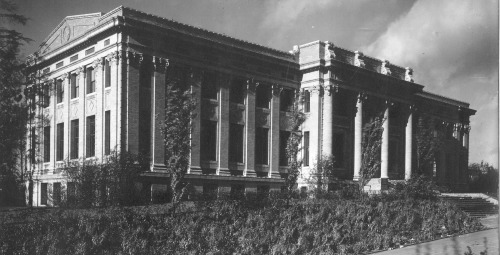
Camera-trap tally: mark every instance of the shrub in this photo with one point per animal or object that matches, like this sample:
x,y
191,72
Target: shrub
x,y
419,187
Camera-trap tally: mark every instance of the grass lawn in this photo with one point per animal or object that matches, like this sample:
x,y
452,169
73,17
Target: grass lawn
x,y
330,226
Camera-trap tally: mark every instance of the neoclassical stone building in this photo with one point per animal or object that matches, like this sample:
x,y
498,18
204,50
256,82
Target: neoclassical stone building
x,y
105,77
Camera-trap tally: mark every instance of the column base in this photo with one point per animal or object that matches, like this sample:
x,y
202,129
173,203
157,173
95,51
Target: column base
x,y
356,178
376,185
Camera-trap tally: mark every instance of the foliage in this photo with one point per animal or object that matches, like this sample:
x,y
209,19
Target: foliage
x,y
104,184
295,120
177,129
483,178
308,226
372,141
418,187
323,173
428,141
13,111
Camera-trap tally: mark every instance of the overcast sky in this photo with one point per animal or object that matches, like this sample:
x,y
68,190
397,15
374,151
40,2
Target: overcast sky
x,y
452,45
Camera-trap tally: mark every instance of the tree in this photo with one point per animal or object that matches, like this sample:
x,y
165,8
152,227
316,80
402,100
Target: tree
x,y
177,128
13,111
323,173
428,141
483,177
295,120
371,143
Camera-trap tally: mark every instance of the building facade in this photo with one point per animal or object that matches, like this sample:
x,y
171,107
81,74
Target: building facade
x,y
103,78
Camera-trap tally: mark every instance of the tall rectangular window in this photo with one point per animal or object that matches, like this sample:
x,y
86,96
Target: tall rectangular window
x,y
75,87
209,86
284,135
44,189
60,91
90,77
46,95
90,143
307,101
46,144
107,74
60,142
261,146
208,139
306,148
236,137
75,133
107,123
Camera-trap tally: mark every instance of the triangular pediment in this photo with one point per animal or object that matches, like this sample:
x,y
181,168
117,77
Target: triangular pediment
x,y
70,28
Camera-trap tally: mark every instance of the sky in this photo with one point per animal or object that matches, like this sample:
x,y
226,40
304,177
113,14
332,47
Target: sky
x,y
452,45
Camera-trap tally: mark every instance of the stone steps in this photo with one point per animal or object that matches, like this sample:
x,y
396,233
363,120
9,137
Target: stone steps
x,y
474,206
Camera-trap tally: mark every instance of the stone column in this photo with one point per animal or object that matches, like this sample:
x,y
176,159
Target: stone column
x,y
250,128
158,112
134,60
315,124
274,159
384,150
223,158
67,114
328,121
196,78
408,144
358,137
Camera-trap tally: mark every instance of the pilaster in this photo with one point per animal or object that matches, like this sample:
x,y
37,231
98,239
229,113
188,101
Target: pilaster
x,y
409,143
80,72
327,140
384,150
134,60
99,113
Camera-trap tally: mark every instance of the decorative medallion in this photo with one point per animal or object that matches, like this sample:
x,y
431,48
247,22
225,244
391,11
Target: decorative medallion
x,y
65,34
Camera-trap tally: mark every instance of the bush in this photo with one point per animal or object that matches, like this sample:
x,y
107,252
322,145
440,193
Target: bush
x,y
248,226
418,187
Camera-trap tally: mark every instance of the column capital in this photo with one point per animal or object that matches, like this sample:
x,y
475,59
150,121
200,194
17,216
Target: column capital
x,y
79,70
362,96
134,58
97,63
160,65
251,85
63,77
389,103
113,57
277,89
317,90
331,88
195,74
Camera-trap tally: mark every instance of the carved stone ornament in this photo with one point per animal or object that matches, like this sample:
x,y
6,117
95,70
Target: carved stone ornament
x,y
79,70
277,89
358,59
134,58
160,64
317,90
362,97
113,57
63,77
330,89
384,69
295,51
97,63
409,74
251,86
329,52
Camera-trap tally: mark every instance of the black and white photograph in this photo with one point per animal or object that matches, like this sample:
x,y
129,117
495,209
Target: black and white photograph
x,y
249,127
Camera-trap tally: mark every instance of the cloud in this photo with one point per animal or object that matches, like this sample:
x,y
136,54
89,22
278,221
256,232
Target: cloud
x,y
453,48
284,13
